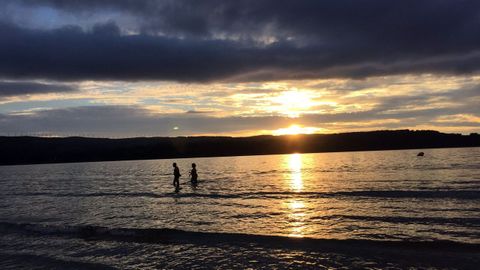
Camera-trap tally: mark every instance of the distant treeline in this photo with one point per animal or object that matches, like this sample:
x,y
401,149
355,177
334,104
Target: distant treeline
x,y
29,150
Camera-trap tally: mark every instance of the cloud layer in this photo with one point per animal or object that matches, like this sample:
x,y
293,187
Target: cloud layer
x,y
186,67
24,88
247,40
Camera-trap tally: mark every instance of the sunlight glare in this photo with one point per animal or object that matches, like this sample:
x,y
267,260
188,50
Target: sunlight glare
x,y
295,164
293,103
296,207
297,218
295,130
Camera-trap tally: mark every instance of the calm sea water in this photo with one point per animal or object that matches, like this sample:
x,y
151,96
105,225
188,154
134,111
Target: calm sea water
x,y
114,214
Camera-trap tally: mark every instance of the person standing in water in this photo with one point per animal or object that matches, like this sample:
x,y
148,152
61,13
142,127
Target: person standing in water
x,y
176,176
193,174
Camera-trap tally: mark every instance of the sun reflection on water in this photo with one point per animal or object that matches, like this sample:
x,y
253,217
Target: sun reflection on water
x,y
295,165
295,207
296,216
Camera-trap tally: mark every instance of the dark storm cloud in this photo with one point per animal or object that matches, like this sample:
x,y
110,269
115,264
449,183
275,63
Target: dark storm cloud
x,y
306,39
26,88
409,19
71,54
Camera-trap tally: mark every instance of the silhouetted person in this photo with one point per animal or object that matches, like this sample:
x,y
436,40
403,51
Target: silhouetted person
x,y
176,176
193,174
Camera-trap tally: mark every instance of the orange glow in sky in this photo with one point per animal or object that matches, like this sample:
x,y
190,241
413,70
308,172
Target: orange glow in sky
x,y
295,130
293,103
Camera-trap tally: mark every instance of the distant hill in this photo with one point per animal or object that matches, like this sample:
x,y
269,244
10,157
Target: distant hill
x,y
30,150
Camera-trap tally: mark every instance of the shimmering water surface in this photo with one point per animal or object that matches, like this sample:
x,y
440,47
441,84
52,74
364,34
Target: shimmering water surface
x,y
370,196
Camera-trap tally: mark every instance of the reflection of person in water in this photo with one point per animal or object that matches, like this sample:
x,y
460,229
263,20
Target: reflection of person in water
x,y
193,174
176,176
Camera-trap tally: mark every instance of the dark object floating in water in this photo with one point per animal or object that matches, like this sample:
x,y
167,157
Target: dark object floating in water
x,y
421,154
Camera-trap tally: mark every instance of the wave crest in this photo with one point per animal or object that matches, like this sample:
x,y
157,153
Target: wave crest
x,y
175,236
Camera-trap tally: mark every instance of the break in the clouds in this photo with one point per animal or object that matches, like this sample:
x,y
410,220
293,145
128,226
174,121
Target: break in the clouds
x,y
186,67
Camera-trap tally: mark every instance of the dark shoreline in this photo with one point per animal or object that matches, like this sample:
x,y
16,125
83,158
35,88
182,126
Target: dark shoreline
x,y
38,150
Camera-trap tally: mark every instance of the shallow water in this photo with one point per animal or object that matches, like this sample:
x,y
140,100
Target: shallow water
x,y
372,197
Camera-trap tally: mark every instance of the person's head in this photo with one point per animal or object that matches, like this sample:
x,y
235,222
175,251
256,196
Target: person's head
x,y
174,164
194,165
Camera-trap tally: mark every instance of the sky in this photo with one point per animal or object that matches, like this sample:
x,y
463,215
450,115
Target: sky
x,y
113,68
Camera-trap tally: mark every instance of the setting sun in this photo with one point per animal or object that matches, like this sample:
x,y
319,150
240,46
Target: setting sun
x,y
295,130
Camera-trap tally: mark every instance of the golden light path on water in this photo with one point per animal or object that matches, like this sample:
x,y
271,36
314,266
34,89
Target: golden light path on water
x,y
296,207
295,166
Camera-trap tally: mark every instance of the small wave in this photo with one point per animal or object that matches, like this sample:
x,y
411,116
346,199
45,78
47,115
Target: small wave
x,y
175,236
464,221
266,172
434,194
32,261
454,194
125,194
466,182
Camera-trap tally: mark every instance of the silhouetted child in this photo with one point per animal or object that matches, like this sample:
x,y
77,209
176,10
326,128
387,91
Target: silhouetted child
x,y
176,176
193,174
